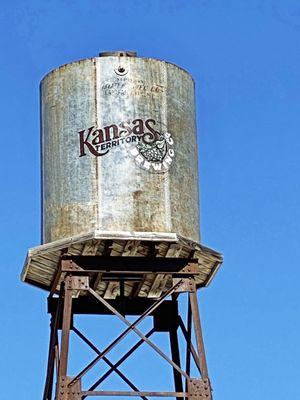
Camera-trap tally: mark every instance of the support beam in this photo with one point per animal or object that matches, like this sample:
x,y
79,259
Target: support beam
x,y
66,325
126,306
166,319
134,394
52,355
176,359
128,264
198,333
188,338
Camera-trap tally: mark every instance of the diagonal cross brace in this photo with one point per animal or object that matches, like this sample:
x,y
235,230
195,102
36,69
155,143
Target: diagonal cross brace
x,y
130,327
189,344
198,333
120,361
140,334
108,362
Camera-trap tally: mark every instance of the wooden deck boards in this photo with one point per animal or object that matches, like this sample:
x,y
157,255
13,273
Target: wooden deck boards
x,y
41,264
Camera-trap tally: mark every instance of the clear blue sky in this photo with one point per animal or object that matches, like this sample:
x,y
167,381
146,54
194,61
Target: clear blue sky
x,y
245,58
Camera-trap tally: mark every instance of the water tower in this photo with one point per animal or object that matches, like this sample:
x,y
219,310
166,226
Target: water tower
x,y
120,217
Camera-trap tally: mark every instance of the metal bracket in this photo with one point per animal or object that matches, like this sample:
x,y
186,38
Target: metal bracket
x,y
199,389
62,388
191,267
68,393
69,266
187,285
78,283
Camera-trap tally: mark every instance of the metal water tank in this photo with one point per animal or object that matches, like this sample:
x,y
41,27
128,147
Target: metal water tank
x,y
119,149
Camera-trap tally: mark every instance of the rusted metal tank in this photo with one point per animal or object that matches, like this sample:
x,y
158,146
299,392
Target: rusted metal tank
x,y
119,149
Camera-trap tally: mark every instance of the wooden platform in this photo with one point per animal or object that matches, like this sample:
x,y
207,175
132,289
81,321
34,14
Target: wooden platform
x,y
42,262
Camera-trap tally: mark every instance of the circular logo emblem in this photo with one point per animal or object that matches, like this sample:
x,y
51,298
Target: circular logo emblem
x,y
153,154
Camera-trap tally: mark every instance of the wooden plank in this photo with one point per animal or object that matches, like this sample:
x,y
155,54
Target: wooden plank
x,y
101,247
75,249
128,288
213,273
161,249
90,248
157,286
101,287
42,261
159,282
60,244
147,283
143,249
36,269
49,257
131,248
117,247
174,251
35,276
136,287
186,252
50,269
112,290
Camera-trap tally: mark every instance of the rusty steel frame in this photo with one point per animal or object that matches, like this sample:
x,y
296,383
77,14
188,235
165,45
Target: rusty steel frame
x,y
166,318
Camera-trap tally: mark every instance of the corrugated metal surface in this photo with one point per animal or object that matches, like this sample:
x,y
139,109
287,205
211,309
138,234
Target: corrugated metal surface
x,y
141,114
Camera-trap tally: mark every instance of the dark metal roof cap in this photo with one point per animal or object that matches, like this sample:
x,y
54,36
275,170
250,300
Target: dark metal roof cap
x,y
121,53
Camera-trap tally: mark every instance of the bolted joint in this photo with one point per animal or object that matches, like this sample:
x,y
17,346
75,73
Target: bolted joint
x,y
62,389
76,284
191,267
199,389
69,266
187,285
69,282
80,283
65,392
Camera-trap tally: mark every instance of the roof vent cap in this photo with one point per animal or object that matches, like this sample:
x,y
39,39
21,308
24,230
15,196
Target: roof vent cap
x,y
121,53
